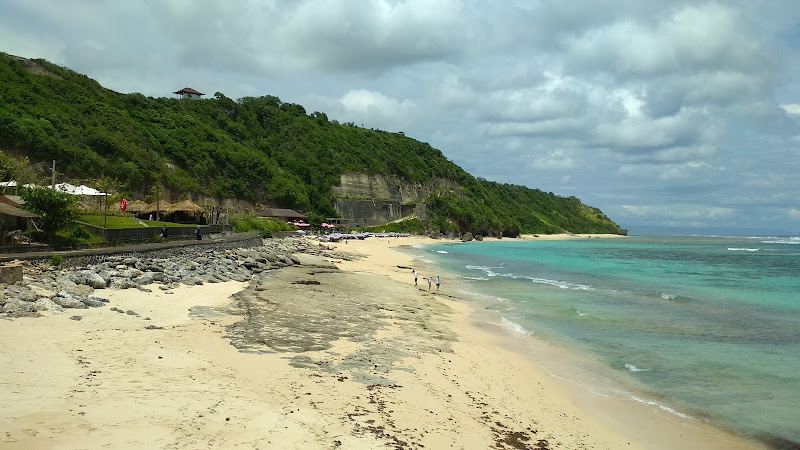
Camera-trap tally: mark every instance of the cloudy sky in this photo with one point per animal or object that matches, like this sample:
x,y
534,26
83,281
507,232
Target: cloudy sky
x,y
677,114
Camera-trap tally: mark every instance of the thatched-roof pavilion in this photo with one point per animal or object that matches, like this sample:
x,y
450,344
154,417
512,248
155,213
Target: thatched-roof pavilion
x,y
161,206
186,206
135,206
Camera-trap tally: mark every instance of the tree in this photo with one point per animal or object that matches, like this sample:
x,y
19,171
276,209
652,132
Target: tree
x,y
157,190
55,209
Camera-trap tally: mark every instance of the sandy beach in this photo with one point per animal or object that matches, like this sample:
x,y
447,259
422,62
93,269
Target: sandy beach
x,y
325,354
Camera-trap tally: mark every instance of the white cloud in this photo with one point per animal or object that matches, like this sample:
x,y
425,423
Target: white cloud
x,y
679,212
670,101
557,159
372,109
794,213
791,109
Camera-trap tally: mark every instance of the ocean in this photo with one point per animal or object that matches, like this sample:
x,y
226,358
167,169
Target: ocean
x,y
706,327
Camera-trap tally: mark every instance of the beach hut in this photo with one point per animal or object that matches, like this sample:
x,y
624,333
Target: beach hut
x,y
156,208
186,211
13,218
286,215
135,206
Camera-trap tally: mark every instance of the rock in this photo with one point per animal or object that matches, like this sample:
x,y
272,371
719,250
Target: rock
x,y
161,277
191,281
121,283
42,292
16,306
94,302
478,237
45,304
26,295
106,275
10,273
82,290
466,237
64,283
130,273
89,278
130,261
68,302
149,266
143,279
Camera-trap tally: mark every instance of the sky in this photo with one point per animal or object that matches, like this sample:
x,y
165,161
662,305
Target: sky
x,y
670,116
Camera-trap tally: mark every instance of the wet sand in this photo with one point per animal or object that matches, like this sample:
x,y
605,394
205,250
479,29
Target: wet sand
x,y
329,354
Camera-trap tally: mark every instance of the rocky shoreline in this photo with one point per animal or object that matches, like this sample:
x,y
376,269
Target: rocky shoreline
x,y
74,285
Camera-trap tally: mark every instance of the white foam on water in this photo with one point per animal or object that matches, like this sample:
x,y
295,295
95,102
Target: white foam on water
x,y
666,296
560,284
662,407
442,251
515,327
633,368
733,249
486,269
791,241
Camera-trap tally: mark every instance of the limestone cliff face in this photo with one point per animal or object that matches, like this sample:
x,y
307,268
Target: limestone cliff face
x,y
374,199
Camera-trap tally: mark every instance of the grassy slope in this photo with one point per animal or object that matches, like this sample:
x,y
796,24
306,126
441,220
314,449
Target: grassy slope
x,y
259,149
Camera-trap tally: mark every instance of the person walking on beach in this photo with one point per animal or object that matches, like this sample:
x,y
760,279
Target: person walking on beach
x,y
415,277
437,282
197,233
430,279
164,232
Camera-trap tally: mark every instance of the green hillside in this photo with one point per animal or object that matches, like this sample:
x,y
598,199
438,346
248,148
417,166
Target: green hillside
x,y
255,148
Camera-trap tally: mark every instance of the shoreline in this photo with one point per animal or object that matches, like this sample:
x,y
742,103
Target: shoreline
x,y
639,420
354,358
637,423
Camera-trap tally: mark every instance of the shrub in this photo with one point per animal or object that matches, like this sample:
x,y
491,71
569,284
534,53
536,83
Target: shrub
x,y
80,232
56,260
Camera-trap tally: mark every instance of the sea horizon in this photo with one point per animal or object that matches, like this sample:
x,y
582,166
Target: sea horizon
x,y
700,326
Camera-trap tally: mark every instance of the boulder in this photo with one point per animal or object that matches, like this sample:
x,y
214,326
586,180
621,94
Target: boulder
x,y
64,283
68,302
81,290
94,302
16,306
45,304
10,273
130,273
42,292
144,279
89,278
191,281
121,283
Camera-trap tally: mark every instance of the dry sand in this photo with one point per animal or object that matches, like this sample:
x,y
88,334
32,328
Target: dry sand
x,y
322,358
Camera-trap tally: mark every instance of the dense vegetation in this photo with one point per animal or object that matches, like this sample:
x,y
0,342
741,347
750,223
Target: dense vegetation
x,y
256,148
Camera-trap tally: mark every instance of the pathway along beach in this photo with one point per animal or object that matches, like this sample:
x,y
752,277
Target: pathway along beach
x,y
325,354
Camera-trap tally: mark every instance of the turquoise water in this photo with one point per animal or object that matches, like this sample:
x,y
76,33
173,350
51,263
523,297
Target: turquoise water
x,y
707,326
